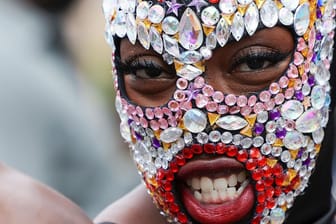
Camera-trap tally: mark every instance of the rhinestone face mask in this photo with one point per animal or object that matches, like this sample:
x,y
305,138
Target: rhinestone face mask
x,y
264,146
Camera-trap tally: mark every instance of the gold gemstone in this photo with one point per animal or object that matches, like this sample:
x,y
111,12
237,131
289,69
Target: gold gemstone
x,y
208,29
213,118
247,131
294,153
251,119
278,143
272,162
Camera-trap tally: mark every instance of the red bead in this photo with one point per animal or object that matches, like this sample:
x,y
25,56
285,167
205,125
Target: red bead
x,y
169,196
197,149
214,1
161,174
260,208
256,220
260,186
242,156
269,192
180,160
209,148
182,218
277,170
255,153
271,203
280,179
251,164
173,167
220,148
261,198
232,151
167,186
262,161
277,191
268,181
170,176
267,171
257,174
188,153
174,208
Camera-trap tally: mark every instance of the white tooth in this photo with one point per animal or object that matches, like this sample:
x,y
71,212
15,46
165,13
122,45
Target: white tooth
x,y
242,187
220,184
232,181
206,197
189,182
241,177
231,192
222,195
198,196
214,196
195,183
206,184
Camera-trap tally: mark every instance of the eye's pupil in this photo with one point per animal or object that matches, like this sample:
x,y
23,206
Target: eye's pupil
x,y
152,72
255,63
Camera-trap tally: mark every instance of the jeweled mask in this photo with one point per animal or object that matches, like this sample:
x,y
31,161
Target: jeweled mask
x,y
261,148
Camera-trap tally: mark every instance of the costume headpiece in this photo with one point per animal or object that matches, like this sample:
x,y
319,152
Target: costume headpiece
x,y
276,134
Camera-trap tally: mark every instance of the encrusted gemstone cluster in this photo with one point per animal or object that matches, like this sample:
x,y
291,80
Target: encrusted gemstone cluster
x,y
276,134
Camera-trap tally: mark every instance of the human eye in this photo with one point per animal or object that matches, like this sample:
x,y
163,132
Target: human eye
x,y
257,59
145,68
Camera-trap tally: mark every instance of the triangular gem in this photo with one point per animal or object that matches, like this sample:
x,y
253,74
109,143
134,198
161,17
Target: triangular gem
x,y
294,153
272,162
278,143
251,119
166,146
259,3
213,118
247,131
208,29
242,9
291,174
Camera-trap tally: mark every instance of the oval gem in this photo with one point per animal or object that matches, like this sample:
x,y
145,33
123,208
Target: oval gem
x,y
318,97
222,32
292,109
195,120
269,13
171,135
251,19
156,14
302,19
237,28
232,123
294,140
228,6
309,122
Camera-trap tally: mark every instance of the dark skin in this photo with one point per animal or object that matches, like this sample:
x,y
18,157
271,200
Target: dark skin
x,y
243,67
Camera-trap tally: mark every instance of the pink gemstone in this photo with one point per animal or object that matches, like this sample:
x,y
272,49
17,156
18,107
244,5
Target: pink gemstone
x,y
252,100
245,111
304,78
289,93
149,113
290,125
269,105
274,88
179,95
143,122
131,110
230,99
298,84
154,125
139,111
167,112
301,44
283,82
163,123
265,96
242,101
199,82
279,98
136,119
172,122
234,110
201,101
312,39
293,72
259,107
186,105
212,106
222,109
218,97
158,112
310,56
298,58
208,90
182,83
174,105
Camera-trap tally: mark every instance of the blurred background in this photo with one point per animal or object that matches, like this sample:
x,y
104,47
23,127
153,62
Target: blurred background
x,y
57,117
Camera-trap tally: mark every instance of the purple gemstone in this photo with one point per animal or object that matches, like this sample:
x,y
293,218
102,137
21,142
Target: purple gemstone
x,y
311,80
281,133
319,36
138,136
307,162
299,95
156,143
314,57
300,153
274,114
318,13
259,128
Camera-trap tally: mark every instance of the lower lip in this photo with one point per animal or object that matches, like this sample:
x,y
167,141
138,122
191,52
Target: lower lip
x,y
229,212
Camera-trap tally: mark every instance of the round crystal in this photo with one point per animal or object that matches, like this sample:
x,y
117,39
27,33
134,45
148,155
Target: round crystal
x,y
156,14
294,140
266,149
292,109
228,6
302,19
258,141
285,156
227,137
202,138
195,120
277,216
170,25
215,136
206,53
210,15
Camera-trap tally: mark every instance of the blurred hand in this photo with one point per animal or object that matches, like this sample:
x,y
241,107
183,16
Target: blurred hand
x,y
23,200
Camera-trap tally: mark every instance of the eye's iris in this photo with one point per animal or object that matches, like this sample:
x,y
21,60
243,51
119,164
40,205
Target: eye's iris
x,y
257,63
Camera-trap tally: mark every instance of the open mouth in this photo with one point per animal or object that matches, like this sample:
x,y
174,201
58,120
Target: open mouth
x,y
215,190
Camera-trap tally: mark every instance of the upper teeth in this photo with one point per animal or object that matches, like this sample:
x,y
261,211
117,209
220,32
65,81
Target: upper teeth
x,y
218,190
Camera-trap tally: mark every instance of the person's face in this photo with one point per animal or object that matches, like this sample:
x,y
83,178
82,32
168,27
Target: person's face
x,y
230,133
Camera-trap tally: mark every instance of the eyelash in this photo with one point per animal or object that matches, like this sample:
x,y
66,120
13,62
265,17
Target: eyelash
x,y
133,66
272,57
